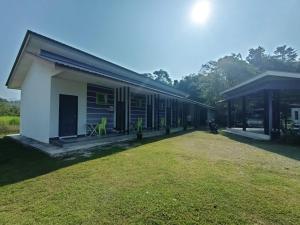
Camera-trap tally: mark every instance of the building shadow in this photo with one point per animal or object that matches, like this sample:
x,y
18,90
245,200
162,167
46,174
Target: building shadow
x,y
289,151
19,163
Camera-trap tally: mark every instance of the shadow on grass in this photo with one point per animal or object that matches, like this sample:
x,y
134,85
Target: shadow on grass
x,y
19,163
289,151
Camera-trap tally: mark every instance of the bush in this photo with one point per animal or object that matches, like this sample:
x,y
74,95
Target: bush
x,y
14,121
290,137
9,124
4,129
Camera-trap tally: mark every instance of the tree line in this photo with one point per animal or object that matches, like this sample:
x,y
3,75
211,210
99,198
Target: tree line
x,y
9,108
218,75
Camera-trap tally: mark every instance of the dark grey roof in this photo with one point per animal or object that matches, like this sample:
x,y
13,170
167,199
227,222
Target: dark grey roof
x,y
125,75
269,80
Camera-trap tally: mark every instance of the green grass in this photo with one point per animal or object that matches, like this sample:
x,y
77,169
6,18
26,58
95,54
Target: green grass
x,y
195,178
9,124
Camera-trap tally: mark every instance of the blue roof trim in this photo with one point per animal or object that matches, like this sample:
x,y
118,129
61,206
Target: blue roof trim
x,y
79,65
140,81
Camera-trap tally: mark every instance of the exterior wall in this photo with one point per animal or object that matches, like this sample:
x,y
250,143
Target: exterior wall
x,y
136,110
67,87
96,112
35,101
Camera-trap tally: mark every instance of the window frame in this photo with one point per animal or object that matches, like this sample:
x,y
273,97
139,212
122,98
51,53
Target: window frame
x,y
105,98
296,115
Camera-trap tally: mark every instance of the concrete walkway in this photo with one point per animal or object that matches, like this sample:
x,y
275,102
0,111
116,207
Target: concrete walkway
x,y
252,133
82,144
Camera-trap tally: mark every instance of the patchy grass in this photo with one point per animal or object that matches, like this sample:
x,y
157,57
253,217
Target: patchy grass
x,y
9,124
195,178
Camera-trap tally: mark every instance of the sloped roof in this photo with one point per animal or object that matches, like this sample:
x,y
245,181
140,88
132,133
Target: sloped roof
x,y
65,55
269,80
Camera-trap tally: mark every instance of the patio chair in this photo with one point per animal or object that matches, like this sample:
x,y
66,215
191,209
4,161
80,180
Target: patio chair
x,y
178,122
139,124
102,126
162,122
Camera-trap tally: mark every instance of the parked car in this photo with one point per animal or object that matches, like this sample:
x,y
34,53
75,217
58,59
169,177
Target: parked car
x,y
255,120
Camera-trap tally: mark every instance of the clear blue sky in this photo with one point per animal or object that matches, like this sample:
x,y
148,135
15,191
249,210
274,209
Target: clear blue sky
x,y
148,35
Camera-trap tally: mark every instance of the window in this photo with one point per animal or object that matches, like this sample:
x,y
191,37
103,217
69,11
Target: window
x,y
101,98
296,114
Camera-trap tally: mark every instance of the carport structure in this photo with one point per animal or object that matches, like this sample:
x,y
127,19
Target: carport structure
x,y
270,85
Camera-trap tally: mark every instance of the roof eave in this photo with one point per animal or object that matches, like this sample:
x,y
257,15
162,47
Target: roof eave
x,y
21,50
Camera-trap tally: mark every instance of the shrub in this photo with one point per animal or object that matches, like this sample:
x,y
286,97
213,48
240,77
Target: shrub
x,y
14,121
290,137
9,124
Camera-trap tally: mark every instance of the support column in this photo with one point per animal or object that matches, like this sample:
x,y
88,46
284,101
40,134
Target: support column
x,y
146,111
158,109
128,109
229,116
125,98
244,113
115,107
153,110
276,111
268,112
171,116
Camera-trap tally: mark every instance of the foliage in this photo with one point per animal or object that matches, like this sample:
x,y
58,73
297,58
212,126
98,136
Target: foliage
x,y
9,108
139,125
9,124
228,71
196,178
161,76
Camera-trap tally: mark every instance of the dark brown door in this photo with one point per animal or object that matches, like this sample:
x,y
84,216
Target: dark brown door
x,y
68,115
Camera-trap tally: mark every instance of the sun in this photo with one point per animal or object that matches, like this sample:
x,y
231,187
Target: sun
x,y
201,12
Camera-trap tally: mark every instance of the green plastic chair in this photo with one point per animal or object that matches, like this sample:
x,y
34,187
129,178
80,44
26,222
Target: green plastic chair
x,y
102,126
139,124
162,122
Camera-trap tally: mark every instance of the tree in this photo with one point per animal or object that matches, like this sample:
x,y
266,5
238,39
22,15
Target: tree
x,y
191,84
216,76
285,54
162,76
257,57
9,108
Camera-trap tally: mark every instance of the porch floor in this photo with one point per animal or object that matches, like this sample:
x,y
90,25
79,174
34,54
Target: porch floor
x,y
82,144
253,133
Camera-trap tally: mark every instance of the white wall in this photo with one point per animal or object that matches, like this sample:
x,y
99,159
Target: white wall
x,y
67,87
35,101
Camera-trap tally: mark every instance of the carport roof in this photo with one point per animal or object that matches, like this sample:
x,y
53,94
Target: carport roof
x,y
269,80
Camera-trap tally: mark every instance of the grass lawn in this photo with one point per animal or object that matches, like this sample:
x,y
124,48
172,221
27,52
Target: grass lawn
x,y
195,178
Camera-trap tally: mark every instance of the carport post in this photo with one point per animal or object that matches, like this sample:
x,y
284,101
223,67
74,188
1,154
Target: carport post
x,y
229,118
244,113
268,111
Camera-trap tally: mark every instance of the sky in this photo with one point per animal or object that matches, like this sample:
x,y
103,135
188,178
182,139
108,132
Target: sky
x,y
148,35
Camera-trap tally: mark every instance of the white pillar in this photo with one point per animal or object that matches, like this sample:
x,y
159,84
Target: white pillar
x,y
146,111
115,107
270,100
152,102
126,107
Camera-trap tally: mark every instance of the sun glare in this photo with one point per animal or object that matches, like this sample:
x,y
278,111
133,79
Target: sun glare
x,y
201,12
